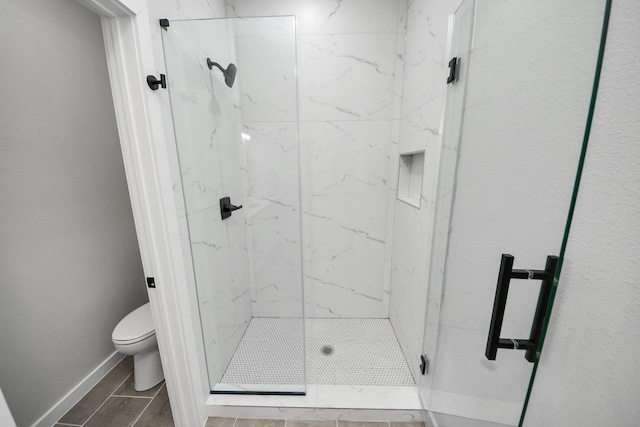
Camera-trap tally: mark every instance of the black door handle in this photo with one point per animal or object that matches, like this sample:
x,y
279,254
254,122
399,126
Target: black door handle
x,y
226,207
494,342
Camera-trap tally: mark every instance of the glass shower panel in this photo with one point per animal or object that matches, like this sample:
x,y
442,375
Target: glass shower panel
x,y
232,85
511,153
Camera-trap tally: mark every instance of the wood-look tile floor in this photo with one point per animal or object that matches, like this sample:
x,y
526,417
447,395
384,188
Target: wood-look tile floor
x,y
113,402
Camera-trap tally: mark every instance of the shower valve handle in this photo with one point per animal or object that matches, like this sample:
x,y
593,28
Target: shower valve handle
x,y
226,207
229,207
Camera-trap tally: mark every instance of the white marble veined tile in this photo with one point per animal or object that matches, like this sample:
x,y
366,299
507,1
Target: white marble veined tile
x,y
327,17
215,244
361,216
265,26
429,347
267,75
307,413
391,204
278,290
349,286
425,53
403,14
334,295
422,127
342,158
187,47
204,121
407,317
273,158
394,159
347,76
196,9
274,219
196,139
176,181
230,164
409,279
222,284
173,10
277,258
398,83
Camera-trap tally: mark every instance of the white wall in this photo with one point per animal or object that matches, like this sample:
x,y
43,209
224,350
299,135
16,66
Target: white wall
x,y
588,372
349,57
69,265
423,99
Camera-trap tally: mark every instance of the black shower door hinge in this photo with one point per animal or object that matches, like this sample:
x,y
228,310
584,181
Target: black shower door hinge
x,y
151,282
164,23
424,364
454,66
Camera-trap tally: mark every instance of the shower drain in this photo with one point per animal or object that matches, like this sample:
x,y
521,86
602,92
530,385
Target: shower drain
x,y
326,350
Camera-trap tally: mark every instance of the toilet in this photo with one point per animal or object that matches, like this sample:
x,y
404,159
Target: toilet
x,y
135,335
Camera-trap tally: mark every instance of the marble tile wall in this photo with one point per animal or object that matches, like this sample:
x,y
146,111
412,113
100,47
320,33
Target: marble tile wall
x,y
349,85
266,59
422,108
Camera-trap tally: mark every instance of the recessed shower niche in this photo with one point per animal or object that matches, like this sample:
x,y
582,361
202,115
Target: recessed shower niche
x,y
410,172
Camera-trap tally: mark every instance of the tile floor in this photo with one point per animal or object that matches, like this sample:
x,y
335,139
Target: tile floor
x,y
113,402
363,352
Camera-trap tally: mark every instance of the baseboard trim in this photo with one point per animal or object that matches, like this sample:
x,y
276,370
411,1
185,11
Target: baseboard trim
x,y
70,399
445,404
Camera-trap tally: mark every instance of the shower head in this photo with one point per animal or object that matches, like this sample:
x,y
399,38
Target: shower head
x,y
229,73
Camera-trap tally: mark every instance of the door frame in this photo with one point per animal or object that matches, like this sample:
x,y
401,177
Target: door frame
x,y
144,140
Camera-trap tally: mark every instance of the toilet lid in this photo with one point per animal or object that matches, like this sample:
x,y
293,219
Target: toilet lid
x,y
135,327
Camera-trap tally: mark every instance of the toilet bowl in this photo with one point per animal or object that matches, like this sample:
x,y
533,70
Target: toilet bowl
x,y
135,335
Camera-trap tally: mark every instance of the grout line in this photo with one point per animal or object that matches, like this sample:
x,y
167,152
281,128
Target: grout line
x,y
164,384
234,422
141,412
111,395
120,385
132,397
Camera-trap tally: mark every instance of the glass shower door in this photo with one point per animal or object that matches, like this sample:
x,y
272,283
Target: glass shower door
x,y
512,142
232,86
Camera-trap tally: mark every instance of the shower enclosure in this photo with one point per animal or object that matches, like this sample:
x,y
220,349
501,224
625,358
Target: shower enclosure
x,y
340,231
